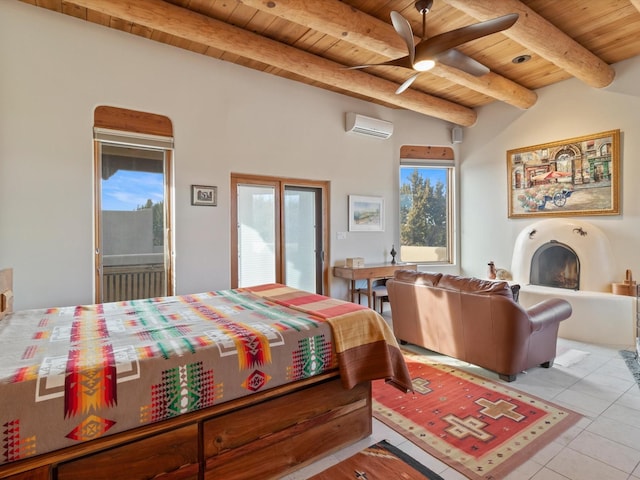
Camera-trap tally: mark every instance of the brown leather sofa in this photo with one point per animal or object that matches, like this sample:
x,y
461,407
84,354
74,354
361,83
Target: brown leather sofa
x,y
475,320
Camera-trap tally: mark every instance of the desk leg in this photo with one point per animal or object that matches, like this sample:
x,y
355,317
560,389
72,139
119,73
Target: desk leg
x,y
352,289
369,291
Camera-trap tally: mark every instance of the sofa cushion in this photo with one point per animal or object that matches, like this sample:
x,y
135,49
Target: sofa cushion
x,y
475,285
419,278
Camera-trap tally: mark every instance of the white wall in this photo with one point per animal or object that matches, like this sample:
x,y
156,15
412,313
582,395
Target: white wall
x,y
56,69
566,110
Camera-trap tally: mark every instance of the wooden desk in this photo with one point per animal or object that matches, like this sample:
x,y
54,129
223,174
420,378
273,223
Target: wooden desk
x,y
369,273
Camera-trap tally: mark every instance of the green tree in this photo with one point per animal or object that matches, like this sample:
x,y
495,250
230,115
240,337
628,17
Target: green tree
x,y
157,214
437,211
423,212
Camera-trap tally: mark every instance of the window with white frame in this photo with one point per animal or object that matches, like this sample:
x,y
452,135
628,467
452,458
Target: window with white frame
x,y
427,210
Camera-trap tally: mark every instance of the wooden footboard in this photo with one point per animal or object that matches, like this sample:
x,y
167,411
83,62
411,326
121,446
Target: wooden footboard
x,y
261,436
6,292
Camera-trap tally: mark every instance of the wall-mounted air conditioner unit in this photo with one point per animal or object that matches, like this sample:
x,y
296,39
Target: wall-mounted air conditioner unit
x,y
372,127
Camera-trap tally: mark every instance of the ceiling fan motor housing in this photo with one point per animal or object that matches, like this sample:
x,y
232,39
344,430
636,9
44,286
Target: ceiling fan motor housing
x,y
423,6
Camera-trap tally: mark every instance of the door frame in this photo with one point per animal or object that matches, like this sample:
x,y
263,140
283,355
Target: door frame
x,y
280,183
133,122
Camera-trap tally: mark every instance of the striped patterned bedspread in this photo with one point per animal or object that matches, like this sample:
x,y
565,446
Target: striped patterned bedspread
x,y
72,374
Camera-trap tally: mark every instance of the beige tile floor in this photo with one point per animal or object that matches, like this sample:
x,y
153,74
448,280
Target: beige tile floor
x,y
603,445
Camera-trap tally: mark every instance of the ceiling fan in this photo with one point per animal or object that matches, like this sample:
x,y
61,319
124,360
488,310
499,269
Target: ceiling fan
x,y
440,48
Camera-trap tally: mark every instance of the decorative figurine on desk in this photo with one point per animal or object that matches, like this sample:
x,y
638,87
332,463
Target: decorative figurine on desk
x,y
393,254
491,270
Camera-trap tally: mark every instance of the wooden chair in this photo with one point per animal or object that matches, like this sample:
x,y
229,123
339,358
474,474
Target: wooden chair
x,y
379,291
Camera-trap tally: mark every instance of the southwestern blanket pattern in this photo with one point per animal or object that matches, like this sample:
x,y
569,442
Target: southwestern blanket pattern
x,y
77,373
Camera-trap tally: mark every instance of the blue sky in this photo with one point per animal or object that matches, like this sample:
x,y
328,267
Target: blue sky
x,y
435,175
126,189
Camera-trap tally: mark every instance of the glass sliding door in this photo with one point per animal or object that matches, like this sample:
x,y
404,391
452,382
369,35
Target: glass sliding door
x,y
256,235
279,232
302,238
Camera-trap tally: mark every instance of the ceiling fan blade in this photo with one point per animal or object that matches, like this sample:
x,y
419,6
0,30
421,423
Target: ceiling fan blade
x,y
431,47
442,47
404,62
407,83
357,67
403,27
456,59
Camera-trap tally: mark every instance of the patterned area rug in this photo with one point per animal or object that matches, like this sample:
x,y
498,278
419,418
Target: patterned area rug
x,y
631,359
481,428
379,461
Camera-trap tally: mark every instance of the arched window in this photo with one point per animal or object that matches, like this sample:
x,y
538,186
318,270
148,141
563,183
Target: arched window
x,y
133,178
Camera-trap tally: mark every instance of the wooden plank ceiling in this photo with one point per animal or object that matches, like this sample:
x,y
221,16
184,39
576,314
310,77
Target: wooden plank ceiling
x,y
311,41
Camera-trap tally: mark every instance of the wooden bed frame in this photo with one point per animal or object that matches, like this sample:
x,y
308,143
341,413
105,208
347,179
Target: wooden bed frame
x,y
265,435
6,292
262,436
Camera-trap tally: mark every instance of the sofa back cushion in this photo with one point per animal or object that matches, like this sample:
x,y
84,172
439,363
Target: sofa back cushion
x,y
475,285
419,278
450,314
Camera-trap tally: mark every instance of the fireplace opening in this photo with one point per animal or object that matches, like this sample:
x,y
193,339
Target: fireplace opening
x,y
555,264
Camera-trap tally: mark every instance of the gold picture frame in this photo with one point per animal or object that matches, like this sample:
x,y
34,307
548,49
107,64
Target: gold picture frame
x,y
576,176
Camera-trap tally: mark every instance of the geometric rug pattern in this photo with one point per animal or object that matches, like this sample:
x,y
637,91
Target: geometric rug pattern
x,y
631,359
483,429
381,461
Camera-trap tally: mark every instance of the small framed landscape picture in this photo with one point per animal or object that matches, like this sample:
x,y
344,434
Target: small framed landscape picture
x,y
204,195
366,214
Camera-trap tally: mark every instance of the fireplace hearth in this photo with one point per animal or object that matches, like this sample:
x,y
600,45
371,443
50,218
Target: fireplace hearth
x,y
573,259
575,255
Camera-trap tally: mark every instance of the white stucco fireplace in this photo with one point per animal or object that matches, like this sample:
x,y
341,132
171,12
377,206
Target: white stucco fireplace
x,y
573,259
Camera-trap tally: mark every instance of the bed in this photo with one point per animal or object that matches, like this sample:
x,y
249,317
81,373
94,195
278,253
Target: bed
x,y
243,383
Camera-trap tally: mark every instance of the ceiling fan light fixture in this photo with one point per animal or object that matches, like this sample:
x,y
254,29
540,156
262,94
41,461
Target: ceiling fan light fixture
x,y
424,65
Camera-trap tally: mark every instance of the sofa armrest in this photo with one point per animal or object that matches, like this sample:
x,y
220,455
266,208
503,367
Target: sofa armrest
x,y
552,310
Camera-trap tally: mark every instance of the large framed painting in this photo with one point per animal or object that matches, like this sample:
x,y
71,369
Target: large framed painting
x,y
576,176
366,214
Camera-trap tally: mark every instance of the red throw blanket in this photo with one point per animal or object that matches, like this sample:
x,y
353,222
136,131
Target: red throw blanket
x,y
365,345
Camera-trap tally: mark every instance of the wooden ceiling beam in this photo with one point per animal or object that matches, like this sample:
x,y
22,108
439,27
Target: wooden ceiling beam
x,y
185,24
339,20
542,38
